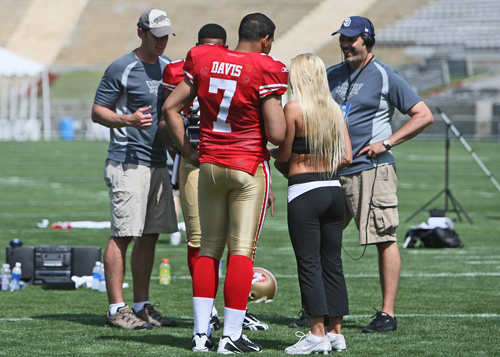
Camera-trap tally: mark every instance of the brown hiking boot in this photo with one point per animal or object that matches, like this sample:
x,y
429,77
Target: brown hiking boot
x,y
125,318
152,316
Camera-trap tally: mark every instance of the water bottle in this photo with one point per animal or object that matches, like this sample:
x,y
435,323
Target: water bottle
x,y
165,272
6,275
102,279
16,277
96,272
220,268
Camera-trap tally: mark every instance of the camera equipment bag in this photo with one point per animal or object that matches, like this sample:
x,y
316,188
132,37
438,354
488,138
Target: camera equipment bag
x,y
433,238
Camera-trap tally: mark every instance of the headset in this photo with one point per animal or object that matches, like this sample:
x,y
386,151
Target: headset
x,y
369,40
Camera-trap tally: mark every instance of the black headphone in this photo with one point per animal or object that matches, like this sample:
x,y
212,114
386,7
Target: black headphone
x,y
369,40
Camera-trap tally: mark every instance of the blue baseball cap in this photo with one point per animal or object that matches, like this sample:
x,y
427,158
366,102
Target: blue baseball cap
x,y
354,26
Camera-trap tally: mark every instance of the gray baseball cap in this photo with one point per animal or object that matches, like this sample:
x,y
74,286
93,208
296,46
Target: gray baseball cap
x,y
157,22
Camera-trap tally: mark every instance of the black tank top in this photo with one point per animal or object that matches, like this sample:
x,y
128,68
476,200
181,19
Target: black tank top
x,y
299,146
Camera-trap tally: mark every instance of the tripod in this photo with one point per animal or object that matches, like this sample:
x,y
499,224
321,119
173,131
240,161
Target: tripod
x,y
446,191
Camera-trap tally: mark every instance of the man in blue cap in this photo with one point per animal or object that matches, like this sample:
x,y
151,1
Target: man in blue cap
x,y
368,91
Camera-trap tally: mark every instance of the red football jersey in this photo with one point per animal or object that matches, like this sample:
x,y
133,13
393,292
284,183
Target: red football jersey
x,y
173,75
230,88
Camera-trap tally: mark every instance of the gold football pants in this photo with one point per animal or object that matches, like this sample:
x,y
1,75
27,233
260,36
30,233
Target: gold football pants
x,y
188,188
232,205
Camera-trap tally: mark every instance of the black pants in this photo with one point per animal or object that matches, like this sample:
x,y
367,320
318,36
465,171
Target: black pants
x,y
315,225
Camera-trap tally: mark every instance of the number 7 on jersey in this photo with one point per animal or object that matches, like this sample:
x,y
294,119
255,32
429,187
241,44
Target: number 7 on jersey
x,y
229,87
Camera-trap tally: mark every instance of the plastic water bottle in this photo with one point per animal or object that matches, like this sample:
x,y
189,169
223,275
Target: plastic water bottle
x,y
96,272
6,276
165,272
102,279
16,277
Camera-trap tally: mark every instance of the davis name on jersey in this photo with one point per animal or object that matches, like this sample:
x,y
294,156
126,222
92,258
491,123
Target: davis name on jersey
x,y
226,68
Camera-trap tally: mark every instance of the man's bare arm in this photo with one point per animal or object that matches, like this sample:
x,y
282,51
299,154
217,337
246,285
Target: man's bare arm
x,y
141,119
274,119
421,117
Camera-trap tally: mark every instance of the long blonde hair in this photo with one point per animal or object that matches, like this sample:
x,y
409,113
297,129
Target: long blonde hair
x,y
324,123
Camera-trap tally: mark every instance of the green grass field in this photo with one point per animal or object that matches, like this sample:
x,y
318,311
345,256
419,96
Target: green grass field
x,y
64,87
448,300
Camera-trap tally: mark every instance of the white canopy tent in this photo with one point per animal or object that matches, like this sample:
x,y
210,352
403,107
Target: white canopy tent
x,y
20,78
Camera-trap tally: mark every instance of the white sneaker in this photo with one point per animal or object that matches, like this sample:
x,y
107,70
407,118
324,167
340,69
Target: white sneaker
x,y
307,346
337,342
175,238
241,345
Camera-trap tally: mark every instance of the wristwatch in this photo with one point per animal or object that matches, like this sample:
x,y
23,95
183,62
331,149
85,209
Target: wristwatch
x,y
387,144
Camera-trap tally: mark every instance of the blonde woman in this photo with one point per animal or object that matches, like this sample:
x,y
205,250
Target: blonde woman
x,y
316,146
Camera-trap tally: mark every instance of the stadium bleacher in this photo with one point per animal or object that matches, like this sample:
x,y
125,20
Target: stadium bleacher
x,y
106,29
10,17
42,30
468,23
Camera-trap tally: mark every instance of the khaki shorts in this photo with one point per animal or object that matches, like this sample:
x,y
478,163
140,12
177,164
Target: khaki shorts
x,y
382,212
141,199
188,187
233,206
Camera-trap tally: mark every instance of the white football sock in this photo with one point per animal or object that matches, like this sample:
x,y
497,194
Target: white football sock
x,y
233,322
201,313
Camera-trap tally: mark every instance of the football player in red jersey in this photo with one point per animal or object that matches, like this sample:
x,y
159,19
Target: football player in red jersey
x,y
239,93
188,174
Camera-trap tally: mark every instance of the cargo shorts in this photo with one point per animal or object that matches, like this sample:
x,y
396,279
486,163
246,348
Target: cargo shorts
x,y
370,198
141,199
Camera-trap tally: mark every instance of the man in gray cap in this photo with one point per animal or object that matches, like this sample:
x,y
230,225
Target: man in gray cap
x,y
368,91
128,101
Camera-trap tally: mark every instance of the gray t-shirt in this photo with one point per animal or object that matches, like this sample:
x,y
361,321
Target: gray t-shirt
x,y
369,109
127,85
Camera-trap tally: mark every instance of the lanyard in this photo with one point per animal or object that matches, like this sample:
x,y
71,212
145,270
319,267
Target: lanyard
x,y
351,82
